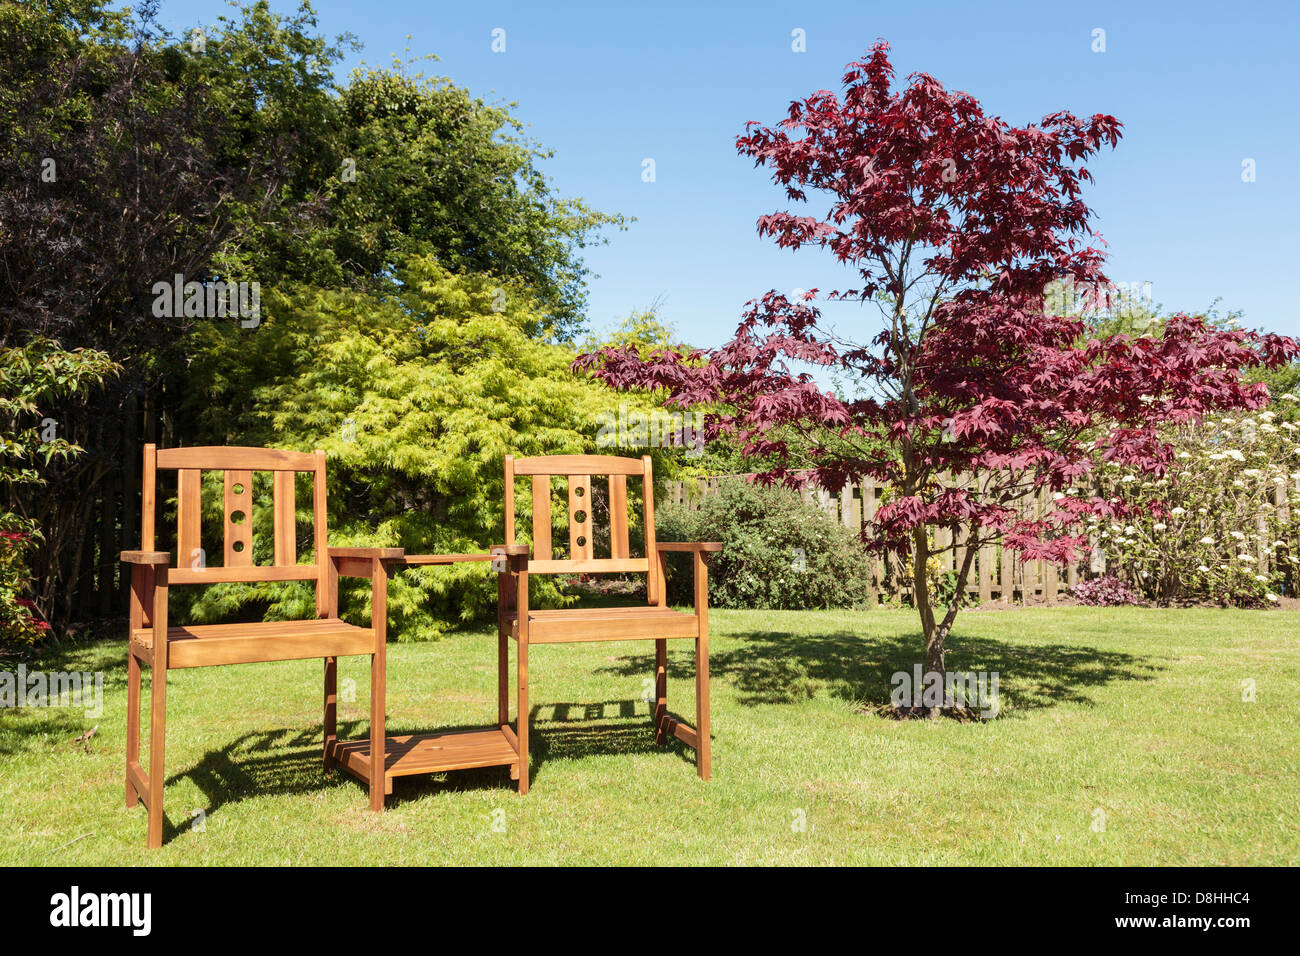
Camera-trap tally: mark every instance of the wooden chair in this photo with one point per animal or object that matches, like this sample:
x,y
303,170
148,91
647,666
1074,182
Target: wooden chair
x,y
654,621
152,643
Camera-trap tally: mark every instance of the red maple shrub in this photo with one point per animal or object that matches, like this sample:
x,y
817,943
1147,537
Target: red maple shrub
x,y
956,223
1105,591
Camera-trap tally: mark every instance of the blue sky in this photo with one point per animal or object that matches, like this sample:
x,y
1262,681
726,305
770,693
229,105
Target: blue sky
x,y
1200,87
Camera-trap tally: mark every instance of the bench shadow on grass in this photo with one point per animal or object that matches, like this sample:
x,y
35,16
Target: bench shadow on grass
x,y
780,667
278,762
288,761
258,764
566,730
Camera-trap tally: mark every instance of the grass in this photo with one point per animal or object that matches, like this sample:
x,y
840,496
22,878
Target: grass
x,y
1136,713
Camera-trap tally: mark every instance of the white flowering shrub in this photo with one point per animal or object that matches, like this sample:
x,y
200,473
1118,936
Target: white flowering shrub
x,y
1224,525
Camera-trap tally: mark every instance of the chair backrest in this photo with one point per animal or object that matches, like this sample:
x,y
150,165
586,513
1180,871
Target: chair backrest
x,y
239,465
579,470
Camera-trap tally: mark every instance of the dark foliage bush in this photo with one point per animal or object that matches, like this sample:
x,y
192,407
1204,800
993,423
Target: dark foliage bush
x,y
1105,591
779,551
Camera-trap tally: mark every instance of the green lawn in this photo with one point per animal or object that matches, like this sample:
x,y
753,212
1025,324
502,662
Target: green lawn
x,y
1135,712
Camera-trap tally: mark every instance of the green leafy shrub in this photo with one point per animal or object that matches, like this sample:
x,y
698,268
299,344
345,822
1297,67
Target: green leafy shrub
x,y
30,376
943,586
778,551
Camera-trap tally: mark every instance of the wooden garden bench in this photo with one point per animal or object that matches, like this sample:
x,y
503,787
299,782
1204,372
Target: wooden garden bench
x,y
152,643
654,621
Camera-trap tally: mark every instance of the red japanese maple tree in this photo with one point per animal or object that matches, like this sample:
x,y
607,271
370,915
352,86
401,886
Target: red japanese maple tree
x,y
957,224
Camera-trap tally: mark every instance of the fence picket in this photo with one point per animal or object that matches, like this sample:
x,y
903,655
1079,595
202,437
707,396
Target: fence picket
x,y
996,568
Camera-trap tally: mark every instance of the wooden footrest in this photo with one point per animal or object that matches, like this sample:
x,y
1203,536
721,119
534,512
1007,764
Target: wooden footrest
x,y
672,727
427,753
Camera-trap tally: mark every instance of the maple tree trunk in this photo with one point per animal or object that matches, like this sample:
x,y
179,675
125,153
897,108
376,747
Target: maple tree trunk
x,y
936,632
934,635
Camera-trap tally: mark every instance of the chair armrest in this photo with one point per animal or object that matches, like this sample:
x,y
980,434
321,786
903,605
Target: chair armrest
x,y
360,562
701,554
513,556
146,557
383,554
376,565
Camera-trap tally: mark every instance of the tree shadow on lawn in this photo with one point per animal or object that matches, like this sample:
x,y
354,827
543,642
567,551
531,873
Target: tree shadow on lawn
x,y
766,667
780,667
24,730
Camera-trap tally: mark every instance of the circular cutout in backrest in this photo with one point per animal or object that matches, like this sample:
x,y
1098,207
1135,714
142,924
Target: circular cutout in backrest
x,y
237,488
580,517
237,547
579,491
582,542
237,517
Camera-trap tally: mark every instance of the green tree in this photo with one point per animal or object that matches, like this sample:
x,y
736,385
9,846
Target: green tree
x,y
416,396
424,168
126,157
129,155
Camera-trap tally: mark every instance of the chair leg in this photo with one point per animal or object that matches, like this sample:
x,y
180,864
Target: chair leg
x,y
661,690
703,754
503,676
378,743
331,708
157,739
132,723
523,715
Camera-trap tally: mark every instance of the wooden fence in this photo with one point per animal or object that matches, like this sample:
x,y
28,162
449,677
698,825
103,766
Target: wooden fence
x,y
997,573
90,509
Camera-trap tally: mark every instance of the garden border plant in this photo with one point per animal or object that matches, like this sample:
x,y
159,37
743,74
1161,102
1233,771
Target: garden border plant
x,y
30,376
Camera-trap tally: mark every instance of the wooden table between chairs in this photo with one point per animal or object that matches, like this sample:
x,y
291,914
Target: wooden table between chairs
x,y
504,745
431,752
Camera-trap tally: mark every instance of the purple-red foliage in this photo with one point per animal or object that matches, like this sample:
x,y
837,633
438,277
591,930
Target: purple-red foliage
x,y
968,375
1105,591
